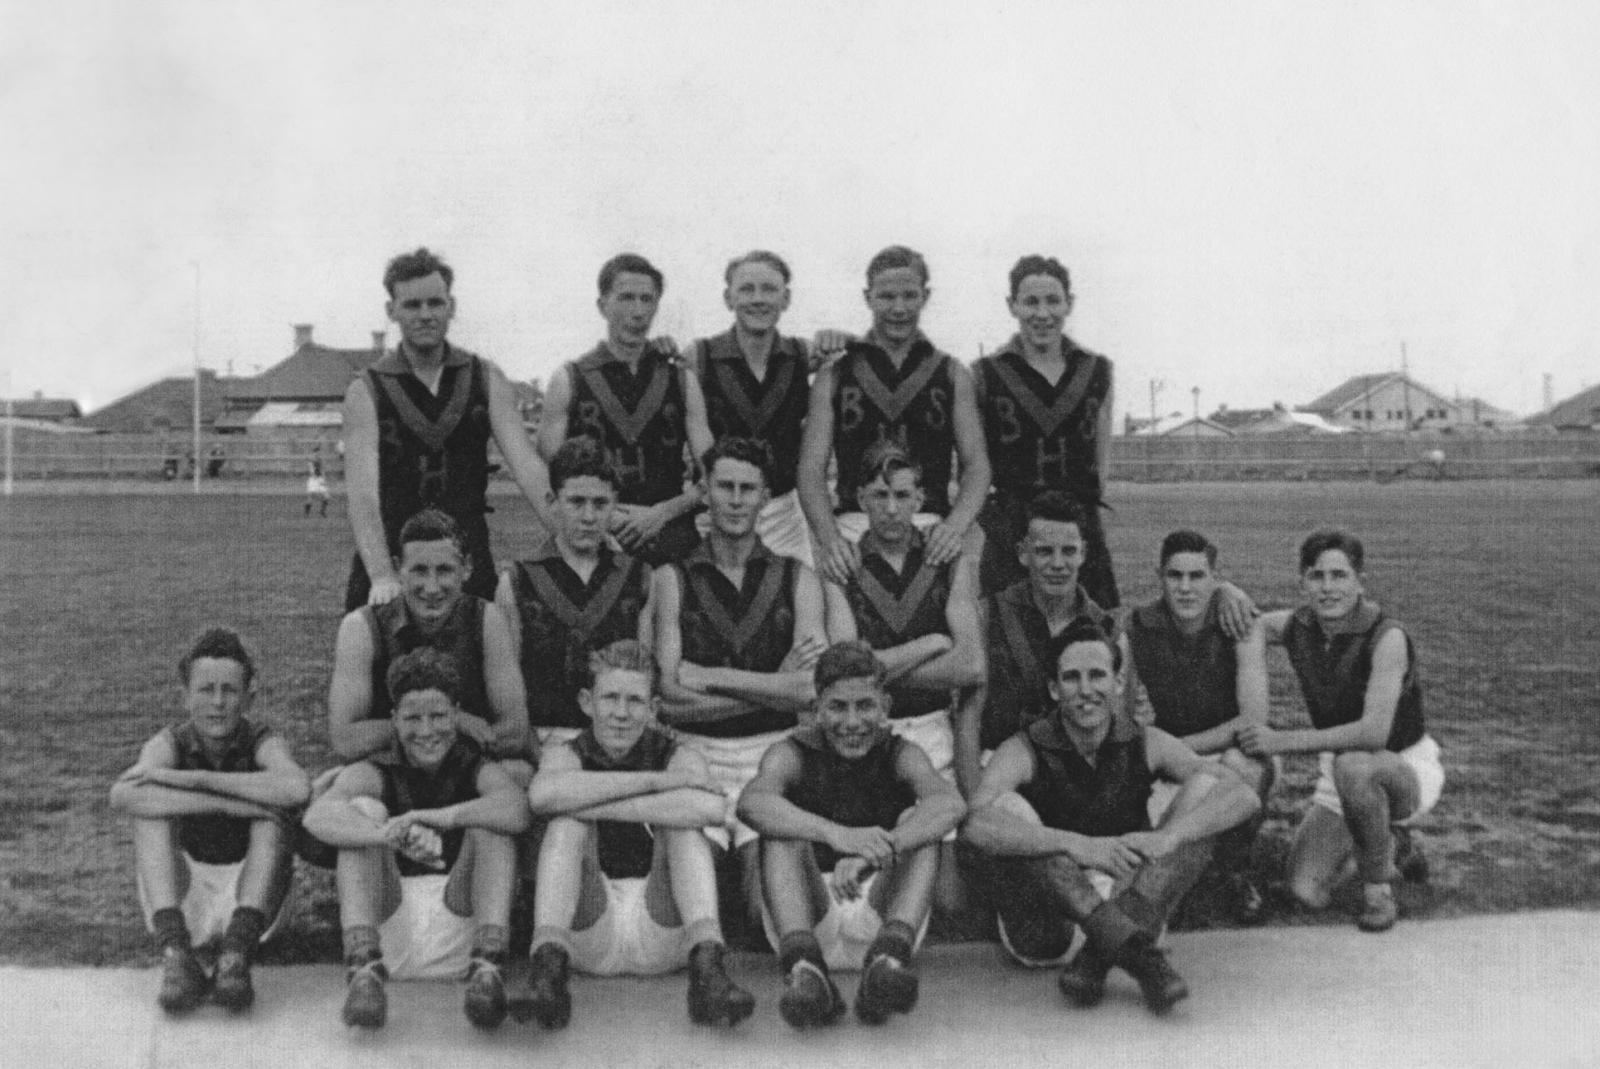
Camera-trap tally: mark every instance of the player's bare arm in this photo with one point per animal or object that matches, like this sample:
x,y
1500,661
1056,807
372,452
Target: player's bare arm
x,y
763,807
333,818
791,688
946,539
143,791
837,558
680,796
939,807
502,679
350,733
361,488
965,663
524,462
1228,800
553,419
682,705
500,807
898,661
1389,664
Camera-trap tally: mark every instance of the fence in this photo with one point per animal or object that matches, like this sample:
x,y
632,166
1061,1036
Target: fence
x,y
1168,459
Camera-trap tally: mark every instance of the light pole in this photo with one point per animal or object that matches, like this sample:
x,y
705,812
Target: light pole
x,y
197,459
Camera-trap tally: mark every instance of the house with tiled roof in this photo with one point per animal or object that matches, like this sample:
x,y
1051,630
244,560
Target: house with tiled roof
x,y
1389,401
1578,414
162,406
305,390
42,409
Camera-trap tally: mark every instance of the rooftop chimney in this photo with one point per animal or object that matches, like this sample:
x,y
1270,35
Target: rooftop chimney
x,y
377,342
302,336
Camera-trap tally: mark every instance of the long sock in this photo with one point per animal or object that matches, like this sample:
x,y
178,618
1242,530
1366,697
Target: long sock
x,y
171,929
799,946
244,931
705,930
547,933
361,944
1108,928
489,942
895,939
1140,910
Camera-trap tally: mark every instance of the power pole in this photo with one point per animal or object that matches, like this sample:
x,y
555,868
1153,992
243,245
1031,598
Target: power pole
x,y
1156,386
198,460
1405,387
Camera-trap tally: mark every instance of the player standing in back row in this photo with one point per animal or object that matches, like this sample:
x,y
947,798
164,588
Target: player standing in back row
x,y
417,429
630,394
892,384
1046,410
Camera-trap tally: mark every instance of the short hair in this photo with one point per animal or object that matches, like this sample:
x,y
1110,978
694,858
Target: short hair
x,y
852,659
221,644
424,668
413,265
1082,629
883,458
756,256
1323,539
577,457
629,263
897,256
1040,265
432,525
747,450
1187,542
623,655
1057,506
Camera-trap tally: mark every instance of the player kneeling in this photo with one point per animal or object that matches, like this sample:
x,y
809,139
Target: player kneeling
x,y
626,881
1062,811
425,851
209,800
850,817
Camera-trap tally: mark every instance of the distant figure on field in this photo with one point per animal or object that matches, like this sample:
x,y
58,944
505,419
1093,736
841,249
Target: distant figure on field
x,y
213,798
417,425
316,483
1363,691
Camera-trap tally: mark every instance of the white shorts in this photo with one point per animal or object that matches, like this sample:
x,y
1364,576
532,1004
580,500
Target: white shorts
x,y
733,763
317,486
1104,884
549,737
780,525
626,940
847,929
423,939
1163,792
852,525
1422,757
209,901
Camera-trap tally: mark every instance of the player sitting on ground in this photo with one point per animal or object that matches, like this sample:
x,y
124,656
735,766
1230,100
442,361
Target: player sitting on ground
x,y
851,816
1062,812
1379,767
424,834
209,798
1203,687
433,610
626,878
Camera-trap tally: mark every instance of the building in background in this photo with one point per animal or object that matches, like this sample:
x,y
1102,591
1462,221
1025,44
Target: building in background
x,y
1578,414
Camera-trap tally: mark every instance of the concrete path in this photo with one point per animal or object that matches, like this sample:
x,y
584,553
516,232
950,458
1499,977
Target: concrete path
x,y
1519,990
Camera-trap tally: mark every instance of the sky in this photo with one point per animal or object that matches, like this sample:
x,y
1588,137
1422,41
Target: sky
x,y
1256,200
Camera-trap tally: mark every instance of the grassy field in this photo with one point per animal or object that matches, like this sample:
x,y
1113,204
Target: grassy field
x,y
1495,581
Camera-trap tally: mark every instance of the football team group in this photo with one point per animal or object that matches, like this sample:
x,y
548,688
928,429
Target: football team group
x,y
823,637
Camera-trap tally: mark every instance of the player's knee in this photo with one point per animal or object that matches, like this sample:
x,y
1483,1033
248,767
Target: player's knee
x,y
1354,772
370,808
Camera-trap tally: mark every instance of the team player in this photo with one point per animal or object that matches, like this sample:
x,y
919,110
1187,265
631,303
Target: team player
x,y
1046,410
1062,813
417,426
756,385
1203,687
631,395
425,851
1019,624
433,610
920,619
737,632
211,799
851,816
1380,768
575,595
627,882
892,384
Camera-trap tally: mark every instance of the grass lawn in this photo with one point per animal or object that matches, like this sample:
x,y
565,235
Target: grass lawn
x,y
102,592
